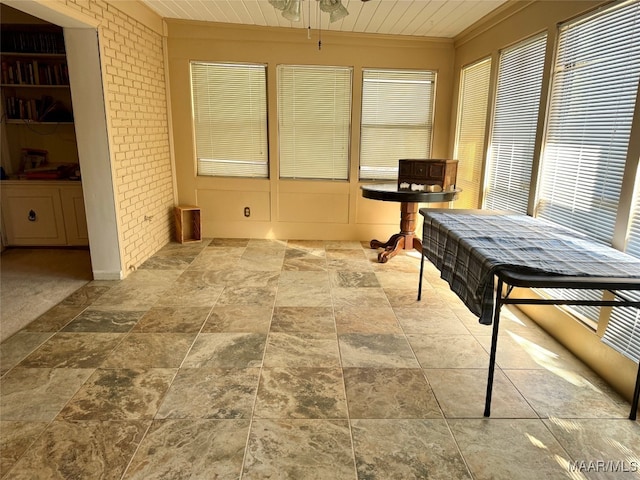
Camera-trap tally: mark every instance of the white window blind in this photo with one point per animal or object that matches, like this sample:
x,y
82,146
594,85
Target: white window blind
x,y
595,83
591,109
623,329
314,118
397,120
230,119
513,136
470,132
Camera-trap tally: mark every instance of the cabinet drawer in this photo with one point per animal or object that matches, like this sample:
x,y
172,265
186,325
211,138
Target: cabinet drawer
x,y
33,218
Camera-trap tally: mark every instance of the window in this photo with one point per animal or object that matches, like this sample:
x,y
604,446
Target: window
x,y
230,119
633,241
470,133
589,123
314,119
594,89
515,120
623,329
397,120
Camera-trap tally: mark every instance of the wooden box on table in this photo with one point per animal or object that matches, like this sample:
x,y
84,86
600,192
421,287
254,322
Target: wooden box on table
x,y
428,175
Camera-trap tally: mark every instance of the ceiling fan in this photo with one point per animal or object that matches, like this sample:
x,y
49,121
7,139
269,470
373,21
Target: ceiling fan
x,y
291,9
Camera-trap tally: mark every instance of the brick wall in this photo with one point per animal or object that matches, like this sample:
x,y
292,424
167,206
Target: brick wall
x,y
136,104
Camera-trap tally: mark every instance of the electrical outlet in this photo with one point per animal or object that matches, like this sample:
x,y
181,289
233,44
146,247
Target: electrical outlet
x,y
247,212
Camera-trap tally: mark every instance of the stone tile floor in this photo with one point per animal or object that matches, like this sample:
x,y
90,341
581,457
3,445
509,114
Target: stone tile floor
x,y
256,359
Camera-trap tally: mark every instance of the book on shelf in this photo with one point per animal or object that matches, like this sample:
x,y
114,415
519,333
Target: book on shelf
x,y
44,109
34,72
23,41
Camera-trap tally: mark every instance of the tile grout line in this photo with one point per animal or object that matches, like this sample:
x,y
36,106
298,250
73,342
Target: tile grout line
x,y
259,380
161,401
344,382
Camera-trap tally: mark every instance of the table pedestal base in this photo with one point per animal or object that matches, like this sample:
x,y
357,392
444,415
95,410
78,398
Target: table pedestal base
x,y
406,239
396,243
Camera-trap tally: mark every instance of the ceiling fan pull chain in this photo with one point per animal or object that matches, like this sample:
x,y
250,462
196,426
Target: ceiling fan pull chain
x,y
309,24
319,29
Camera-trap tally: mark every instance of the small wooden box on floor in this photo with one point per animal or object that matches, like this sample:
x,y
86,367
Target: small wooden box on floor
x,y
188,223
428,175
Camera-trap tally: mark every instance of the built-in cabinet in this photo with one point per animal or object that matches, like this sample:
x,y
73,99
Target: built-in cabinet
x,y
41,206
36,98
37,213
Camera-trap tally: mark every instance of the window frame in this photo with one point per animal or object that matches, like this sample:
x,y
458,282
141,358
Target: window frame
x,y
472,187
594,317
509,105
231,156
388,169
338,143
540,200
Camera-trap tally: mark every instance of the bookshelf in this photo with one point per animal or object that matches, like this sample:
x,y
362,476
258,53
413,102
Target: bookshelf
x,y
34,76
35,95
42,205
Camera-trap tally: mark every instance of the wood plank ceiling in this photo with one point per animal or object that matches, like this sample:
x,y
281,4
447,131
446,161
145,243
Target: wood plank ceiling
x,y
424,18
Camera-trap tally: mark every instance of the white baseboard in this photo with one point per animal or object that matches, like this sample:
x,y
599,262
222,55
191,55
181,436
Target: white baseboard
x,y
105,275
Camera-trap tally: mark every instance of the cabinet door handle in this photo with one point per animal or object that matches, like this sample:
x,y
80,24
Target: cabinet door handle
x,y
32,216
